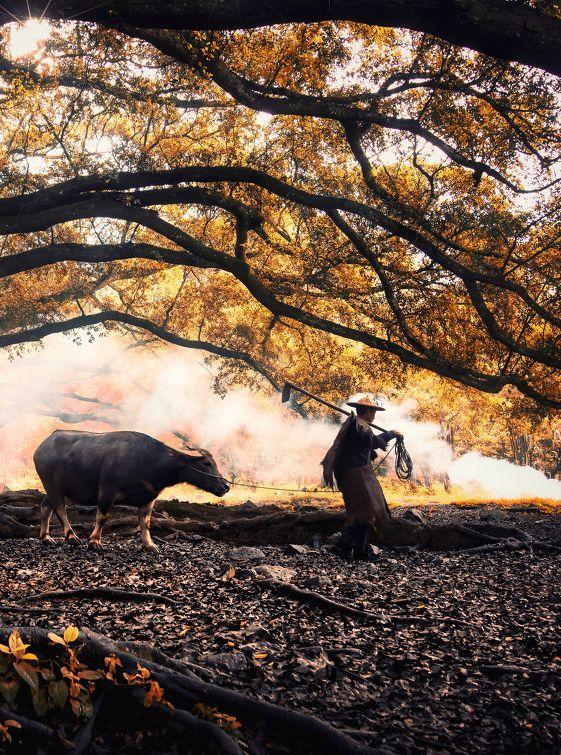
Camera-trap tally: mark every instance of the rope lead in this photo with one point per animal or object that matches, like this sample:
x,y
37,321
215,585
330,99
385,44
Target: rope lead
x,y
403,469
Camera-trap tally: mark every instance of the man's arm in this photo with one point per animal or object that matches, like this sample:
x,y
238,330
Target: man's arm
x,y
382,440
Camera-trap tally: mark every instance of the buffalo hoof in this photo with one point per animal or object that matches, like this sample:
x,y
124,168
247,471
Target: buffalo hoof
x,y
48,540
152,548
94,545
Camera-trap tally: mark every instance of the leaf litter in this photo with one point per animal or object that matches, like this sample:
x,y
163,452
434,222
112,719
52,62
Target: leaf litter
x,y
490,683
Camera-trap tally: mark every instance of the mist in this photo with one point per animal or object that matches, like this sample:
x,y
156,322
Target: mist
x,y
167,392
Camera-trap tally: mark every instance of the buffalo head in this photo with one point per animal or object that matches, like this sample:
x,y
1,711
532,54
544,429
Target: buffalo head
x,y
200,470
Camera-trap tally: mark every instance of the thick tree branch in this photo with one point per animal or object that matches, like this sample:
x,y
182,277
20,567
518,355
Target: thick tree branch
x,y
71,252
515,31
474,293
243,91
96,205
86,321
86,187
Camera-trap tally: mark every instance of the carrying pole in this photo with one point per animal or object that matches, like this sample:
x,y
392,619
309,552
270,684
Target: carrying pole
x,y
288,387
403,462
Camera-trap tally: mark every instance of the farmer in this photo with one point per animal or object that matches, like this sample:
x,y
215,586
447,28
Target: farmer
x,y
349,460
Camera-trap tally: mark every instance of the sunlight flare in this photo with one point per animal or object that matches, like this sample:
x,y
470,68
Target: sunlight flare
x,y
26,38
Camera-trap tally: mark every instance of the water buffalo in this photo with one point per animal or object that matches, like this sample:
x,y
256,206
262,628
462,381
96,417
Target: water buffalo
x,y
102,469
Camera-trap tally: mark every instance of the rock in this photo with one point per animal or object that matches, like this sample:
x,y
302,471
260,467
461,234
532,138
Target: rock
x,y
248,505
312,583
234,661
192,537
281,573
492,516
315,541
414,515
243,573
294,548
333,539
313,661
247,553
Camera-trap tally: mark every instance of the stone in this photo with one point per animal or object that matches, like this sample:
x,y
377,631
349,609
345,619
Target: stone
x,y
282,573
333,539
229,662
247,553
414,515
492,516
294,548
244,573
192,537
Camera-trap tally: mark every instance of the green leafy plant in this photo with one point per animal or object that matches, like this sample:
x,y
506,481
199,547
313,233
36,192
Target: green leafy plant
x,y
62,681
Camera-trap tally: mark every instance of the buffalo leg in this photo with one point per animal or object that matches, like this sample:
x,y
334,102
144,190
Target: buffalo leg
x,y
46,514
95,537
62,516
144,514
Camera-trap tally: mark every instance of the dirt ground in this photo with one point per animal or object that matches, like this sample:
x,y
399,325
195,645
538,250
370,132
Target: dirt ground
x,y
478,670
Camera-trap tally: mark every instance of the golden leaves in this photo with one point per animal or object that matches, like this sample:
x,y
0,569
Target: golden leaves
x,y
221,719
154,692
58,682
70,635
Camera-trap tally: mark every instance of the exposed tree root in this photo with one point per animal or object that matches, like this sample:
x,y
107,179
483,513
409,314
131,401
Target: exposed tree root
x,y
498,669
316,599
264,726
10,527
84,736
26,609
195,728
249,524
145,650
34,732
99,593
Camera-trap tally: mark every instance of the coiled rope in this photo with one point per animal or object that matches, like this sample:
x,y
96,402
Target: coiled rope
x,y
403,462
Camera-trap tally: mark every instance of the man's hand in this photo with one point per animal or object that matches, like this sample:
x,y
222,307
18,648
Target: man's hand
x,y
398,434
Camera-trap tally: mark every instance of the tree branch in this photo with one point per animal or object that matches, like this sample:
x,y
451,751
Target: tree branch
x,y
87,321
513,31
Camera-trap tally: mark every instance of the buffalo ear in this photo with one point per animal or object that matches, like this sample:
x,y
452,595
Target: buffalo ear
x,y
192,453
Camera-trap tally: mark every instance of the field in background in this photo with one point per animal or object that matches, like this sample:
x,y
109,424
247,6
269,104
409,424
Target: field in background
x,y
397,494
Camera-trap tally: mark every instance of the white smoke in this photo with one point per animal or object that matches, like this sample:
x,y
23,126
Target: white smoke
x,y
501,479
422,439
252,435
